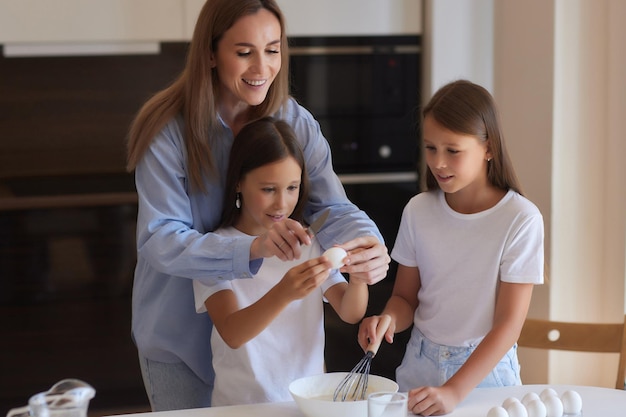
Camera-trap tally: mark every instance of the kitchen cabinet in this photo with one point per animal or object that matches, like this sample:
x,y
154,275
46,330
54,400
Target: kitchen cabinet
x,y
352,17
44,21
339,18
67,249
119,21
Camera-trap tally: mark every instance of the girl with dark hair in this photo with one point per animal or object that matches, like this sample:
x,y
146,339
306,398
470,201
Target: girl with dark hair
x,y
280,309
236,72
470,250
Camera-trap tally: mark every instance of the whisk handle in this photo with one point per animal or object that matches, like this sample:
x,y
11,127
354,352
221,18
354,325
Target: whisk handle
x,y
381,329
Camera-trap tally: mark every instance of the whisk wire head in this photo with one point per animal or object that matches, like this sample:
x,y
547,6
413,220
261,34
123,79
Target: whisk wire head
x,y
354,385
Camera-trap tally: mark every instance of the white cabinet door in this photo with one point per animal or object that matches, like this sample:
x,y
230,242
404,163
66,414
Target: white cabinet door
x,y
338,17
191,10
40,21
352,17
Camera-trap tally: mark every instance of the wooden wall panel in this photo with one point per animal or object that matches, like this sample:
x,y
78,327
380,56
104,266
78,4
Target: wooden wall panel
x,y
70,115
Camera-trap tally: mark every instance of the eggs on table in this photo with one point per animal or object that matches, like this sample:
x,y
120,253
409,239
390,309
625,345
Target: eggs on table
x,y
546,404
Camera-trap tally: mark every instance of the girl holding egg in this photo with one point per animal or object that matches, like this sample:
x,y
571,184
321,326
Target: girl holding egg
x,y
261,322
470,250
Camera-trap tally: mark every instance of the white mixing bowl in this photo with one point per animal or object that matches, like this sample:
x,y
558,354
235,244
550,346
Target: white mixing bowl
x,y
314,395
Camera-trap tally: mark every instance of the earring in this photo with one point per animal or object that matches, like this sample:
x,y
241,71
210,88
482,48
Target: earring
x,y
238,201
488,159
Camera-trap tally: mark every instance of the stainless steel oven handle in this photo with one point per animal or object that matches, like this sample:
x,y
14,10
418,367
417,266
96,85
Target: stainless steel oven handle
x,y
354,50
381,177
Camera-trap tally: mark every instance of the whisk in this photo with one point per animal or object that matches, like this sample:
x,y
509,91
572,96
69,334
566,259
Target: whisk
x,y
354,385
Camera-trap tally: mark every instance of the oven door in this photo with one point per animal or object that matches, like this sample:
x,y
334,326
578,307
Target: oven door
x,y
364,91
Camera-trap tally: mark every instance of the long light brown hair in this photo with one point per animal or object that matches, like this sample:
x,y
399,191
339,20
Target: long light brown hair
x,y
193,95
469,109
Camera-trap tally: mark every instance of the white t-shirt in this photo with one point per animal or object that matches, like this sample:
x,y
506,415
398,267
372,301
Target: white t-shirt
x,y
463,257
291,347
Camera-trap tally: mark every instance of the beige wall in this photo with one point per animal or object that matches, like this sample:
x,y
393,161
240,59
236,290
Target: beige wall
x,y
589,144
561,83
523,87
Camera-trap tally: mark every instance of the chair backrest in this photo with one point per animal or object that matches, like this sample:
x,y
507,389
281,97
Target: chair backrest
x,y
581,337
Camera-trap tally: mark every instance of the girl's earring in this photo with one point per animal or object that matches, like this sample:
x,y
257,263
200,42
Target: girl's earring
x,y
238,201
488,159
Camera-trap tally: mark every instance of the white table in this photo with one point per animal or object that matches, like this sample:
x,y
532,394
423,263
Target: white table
x,y
597,402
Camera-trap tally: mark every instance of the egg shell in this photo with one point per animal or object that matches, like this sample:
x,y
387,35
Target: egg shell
x,y
572,402
516,409
554,406
336,255
536,408
497,411
509,401
546,393
530,397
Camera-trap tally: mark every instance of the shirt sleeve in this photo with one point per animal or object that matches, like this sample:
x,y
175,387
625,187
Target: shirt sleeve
x,y
167,237
523,259
203,291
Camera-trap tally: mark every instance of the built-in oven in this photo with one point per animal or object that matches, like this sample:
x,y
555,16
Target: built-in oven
x,y
365,93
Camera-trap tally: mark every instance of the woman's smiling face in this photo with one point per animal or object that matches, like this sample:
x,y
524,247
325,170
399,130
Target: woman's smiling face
x,y
248,59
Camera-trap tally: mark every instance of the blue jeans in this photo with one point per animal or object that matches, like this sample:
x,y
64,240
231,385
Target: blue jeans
x,y
429,364
173,386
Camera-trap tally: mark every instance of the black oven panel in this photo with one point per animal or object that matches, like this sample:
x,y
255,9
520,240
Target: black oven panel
x,y
365,93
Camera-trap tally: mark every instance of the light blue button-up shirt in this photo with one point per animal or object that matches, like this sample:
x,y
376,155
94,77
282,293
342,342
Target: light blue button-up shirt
x,y
175,243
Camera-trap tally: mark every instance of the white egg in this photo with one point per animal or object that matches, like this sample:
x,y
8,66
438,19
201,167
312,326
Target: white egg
x,y
516,409
530,397
509,401
554,406
546,393
572,402
536,408
497,411
335,255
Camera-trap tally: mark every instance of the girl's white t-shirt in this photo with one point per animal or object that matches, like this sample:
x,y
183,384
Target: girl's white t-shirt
x,y
291,347
462,258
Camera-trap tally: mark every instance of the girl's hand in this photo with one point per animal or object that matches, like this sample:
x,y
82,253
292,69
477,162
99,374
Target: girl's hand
x,y
371,326
300,280
282,240
432,401
367,261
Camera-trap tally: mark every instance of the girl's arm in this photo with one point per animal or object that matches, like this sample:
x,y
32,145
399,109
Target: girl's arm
x,y
349,300
400,307
238,326
512,306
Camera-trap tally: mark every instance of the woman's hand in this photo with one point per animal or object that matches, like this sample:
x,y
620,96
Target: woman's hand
x,y
372,326
282,240
432,401
367,261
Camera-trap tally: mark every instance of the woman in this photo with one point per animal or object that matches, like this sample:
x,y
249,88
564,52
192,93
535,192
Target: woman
x,y
236,72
